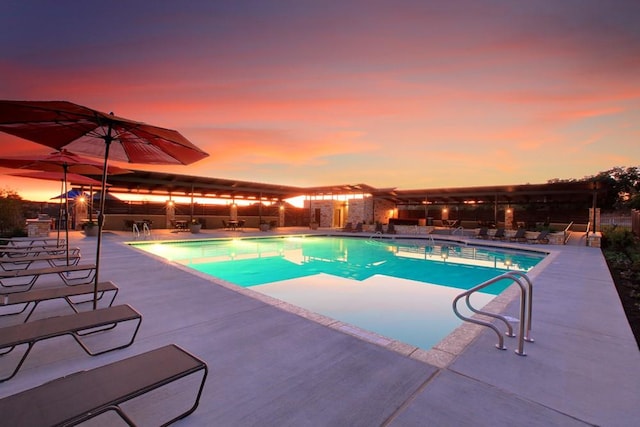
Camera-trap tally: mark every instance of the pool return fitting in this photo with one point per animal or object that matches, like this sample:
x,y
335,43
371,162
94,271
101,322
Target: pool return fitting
x,y
526,298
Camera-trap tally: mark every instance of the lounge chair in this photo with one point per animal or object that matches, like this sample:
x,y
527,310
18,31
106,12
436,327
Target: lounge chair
x,y
358,228
224,224
347,227
18,252
391,229
499,234
33,241
379,228
483,233
540,238
78,325
520,236
76,398
24,263
70,275
69,293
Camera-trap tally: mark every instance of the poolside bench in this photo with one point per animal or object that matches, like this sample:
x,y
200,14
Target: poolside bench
x,y
23,263
78,325
34,297
81,396
8,279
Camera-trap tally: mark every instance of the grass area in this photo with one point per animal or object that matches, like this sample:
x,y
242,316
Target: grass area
x,y
622,252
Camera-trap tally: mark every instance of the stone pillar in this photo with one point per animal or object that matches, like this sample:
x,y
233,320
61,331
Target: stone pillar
x,y
281,216
595,222
508,218
233,212
445,214
171,214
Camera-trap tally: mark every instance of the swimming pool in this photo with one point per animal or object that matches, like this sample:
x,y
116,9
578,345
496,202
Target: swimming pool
x,y
401,289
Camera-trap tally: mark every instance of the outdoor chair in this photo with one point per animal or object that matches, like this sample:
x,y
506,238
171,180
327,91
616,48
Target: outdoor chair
x,y
391,229
348,227
358,228
79,397
27,251
520,236
499,234
70,275
79,325
25,263
483,233
21,301
540,238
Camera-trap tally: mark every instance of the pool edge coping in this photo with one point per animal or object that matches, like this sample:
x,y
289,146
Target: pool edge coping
x,y
441,355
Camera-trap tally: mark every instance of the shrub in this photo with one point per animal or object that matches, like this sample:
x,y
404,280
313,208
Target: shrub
x,y
617,239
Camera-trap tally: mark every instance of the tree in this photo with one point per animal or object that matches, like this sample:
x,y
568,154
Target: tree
x,y
11,216
624,184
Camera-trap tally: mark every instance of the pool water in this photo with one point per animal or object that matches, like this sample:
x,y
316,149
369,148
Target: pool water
x,y
401,289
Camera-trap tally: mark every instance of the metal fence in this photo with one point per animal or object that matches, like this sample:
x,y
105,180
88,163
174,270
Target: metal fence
x,y
617,220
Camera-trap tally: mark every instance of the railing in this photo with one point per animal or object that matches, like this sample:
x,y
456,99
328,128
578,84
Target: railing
x,y
526,298
567,233
146,231
459,228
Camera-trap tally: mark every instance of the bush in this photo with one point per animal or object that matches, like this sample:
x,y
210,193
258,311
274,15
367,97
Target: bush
x,y
617,239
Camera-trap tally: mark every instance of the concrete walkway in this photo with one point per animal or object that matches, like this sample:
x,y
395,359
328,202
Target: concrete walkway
x,y
272,367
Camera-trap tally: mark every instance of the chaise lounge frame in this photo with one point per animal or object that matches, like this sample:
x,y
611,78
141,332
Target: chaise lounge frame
x,y
34,297
64,272
77,325
81,396
24,263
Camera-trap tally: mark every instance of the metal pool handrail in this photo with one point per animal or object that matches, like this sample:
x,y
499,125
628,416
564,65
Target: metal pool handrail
x,y
526,298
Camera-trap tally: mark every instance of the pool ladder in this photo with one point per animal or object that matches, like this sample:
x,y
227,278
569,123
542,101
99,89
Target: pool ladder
x,y
146,231
526,297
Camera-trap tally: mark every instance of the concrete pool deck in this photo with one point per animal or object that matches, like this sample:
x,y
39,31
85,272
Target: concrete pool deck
x,y
272,367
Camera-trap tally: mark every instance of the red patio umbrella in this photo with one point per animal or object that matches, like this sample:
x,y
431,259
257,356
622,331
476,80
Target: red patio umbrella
x,y
64,163
65,125
72,178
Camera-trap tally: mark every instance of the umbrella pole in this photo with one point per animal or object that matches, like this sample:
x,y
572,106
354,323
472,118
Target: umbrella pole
x,y
66,212
62,185
107,141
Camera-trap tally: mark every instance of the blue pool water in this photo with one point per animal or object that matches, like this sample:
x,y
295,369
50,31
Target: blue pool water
x,y
401,289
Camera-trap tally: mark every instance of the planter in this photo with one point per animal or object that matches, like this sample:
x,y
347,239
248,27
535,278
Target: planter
x,y
195,228
264,227
313,225
90,230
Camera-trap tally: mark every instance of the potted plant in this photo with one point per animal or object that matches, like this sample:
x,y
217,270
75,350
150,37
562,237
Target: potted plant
x,y
195,226
90,228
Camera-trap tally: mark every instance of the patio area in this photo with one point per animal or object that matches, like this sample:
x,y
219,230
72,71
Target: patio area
x,y
270,366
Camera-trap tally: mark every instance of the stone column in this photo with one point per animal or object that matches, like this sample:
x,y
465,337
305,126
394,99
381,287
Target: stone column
x,y
508,218
171,214
595,222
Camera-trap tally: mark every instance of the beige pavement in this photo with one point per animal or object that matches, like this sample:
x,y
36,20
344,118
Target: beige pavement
x,y
272,367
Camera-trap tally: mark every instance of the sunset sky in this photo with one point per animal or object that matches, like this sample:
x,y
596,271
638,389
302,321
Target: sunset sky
x,y
406,94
